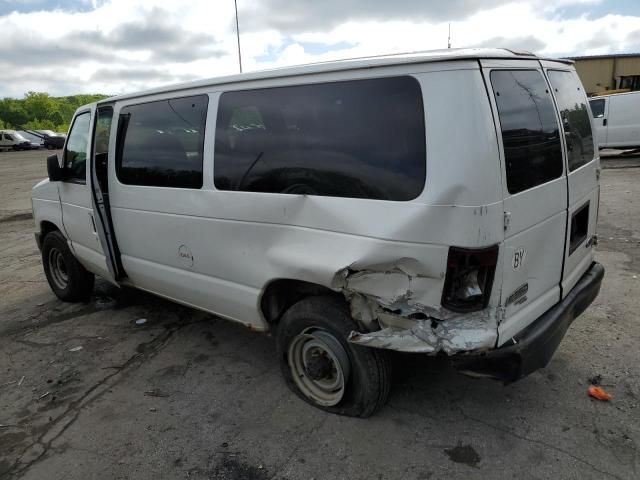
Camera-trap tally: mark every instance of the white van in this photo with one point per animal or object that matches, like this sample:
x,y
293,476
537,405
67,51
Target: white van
x,y
12,140
616,119
430,203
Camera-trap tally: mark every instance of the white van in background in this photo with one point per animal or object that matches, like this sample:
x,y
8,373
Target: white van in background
x,y
442,203
12,140
616,119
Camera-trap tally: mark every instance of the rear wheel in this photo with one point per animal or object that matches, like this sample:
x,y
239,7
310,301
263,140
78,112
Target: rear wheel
x,y
68,279
325,370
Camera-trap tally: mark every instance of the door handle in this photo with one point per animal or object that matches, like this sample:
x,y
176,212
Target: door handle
x,y
604,122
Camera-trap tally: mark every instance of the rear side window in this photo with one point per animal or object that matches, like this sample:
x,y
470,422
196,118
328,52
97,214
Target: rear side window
x,y
362,138
530,135
160,143
576,123
597,107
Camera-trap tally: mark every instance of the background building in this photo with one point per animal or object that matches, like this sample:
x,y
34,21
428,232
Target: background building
x,y
600,73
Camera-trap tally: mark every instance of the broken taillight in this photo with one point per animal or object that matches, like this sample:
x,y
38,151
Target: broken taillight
x,y
470,272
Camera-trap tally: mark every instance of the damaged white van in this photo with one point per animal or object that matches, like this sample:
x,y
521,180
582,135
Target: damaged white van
x,y
434,203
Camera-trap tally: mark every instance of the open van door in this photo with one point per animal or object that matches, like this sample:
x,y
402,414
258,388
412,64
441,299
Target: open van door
x,y
99,173
79,218
534,191
583,172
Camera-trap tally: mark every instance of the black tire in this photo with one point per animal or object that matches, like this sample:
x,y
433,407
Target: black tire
x,y
367,386
68,279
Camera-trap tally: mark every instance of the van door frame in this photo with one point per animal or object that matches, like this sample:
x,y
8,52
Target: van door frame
x,y
78,214
100,201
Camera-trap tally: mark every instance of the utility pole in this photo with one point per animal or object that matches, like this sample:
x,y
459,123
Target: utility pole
x,y
448,39
235,2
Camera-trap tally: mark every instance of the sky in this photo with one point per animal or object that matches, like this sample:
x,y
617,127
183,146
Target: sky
x,y
116,46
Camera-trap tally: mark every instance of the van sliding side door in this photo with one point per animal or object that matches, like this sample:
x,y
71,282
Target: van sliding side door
x,y
103,144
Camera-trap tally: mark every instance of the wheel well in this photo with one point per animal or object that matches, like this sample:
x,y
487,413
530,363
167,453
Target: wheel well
x,y
283,293
46,227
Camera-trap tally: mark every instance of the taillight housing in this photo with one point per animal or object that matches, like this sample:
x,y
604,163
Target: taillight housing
x,y
470,272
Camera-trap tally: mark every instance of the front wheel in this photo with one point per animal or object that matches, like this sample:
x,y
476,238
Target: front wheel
x,y
68,279
325,370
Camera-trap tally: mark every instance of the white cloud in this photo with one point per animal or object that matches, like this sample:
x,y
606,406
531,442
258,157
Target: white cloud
x,y
127,45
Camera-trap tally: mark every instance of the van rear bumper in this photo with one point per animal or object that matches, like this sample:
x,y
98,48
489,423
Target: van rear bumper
x,y
535,345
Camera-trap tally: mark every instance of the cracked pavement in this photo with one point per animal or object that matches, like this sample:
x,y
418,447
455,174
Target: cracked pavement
x,y
187,395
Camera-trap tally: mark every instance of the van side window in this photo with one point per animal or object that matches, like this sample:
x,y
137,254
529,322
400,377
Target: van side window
x,y
75,153
597,107
576,123
160,143
360,138
530,134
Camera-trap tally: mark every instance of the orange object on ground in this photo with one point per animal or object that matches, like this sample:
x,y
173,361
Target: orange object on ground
x,y
599,393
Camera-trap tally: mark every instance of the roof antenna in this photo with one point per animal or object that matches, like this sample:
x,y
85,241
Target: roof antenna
x,y
448,39
235,2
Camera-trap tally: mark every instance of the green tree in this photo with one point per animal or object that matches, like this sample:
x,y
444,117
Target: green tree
x,y
39,125
12,113
56,117
39,110
38,105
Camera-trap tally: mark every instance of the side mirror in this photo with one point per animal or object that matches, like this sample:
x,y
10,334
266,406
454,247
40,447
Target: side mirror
x,y
54,170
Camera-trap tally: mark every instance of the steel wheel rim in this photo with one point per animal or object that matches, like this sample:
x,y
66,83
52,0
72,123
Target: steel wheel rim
x,y
58,268
305,349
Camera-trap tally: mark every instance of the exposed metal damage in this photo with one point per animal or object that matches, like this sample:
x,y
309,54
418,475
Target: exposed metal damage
x,y
398,304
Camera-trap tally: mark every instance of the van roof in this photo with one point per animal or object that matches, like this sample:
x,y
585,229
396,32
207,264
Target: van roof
x,y
633,92
347,64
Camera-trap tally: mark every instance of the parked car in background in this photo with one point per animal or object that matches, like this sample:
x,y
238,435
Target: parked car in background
x,y
616,119
12,140
52,140
37,141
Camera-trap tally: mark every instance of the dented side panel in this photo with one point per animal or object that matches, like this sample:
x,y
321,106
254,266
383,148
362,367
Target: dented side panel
x,y
399,306
387,258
